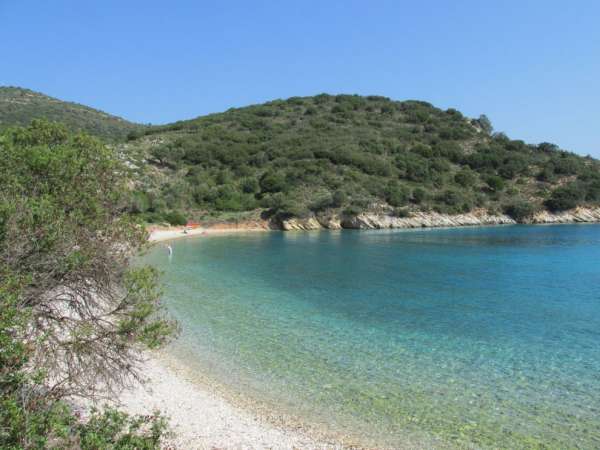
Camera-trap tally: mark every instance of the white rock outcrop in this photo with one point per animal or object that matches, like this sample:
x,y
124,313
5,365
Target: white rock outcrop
x,y
309,223
434,220
425,220
577,215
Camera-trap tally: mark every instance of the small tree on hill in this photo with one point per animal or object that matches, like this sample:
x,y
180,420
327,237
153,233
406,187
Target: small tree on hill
x,y
485,124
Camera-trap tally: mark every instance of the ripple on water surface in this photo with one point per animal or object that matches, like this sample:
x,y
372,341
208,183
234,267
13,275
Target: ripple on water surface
x,y
484,337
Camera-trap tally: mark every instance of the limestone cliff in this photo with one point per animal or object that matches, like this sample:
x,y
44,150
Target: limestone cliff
x,y
576,215
433,219
309,223
424,220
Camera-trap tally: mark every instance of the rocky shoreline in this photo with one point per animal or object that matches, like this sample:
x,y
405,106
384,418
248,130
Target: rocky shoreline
x,y
366,221
373,221
577,215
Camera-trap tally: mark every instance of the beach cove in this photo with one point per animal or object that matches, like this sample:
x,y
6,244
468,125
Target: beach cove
x,y
203,414
506,383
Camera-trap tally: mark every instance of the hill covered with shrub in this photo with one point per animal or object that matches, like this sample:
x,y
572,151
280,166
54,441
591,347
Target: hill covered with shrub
x,y
347,154
20,106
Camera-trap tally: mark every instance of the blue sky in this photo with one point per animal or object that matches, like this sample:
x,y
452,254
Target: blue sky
x,y
532,66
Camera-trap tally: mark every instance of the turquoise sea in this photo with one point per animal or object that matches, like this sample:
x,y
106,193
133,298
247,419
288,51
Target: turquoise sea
x,y
471,338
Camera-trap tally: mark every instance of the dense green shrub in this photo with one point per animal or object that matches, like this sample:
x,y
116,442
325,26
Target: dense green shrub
x,y
453,201
175,218
401,212
566,197
484,123
546,174
339,199
566,164
495,182
465,178
415,169
249,185
352,210
519,209
452,197
272,182
419,195
513,167
140,202
321,203
397,195
441,166
593,191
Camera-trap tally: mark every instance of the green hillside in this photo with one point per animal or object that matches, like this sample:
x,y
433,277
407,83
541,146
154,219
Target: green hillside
x,y
346,154
20,106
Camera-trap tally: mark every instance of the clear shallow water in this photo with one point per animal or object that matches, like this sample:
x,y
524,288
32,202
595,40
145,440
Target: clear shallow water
x,y
473,337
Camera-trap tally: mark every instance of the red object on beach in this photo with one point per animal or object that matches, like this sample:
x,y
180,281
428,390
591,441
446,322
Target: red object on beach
x,y
192,224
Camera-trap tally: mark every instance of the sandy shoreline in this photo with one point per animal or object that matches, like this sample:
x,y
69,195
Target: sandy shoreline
x,y
158,234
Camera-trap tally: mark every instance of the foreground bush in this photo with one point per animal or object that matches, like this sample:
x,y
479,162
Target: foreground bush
x,y
74,315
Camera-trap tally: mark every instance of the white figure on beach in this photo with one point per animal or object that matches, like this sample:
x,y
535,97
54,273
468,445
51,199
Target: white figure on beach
x,y
170,250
